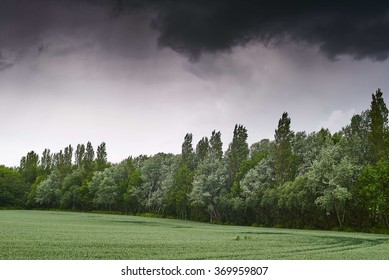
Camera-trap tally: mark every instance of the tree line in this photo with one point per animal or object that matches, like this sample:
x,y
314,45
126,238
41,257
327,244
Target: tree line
x,y
298,180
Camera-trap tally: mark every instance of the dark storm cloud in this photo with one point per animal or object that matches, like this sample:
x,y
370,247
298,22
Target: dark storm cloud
x,y
356,28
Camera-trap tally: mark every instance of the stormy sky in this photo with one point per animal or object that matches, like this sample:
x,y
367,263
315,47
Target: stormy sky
x,y
139,75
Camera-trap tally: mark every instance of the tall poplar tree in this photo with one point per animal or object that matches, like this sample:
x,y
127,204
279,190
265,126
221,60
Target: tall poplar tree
x,y
182,179
237,152
378,127
79,156
187,154
68,157
88,157
216,145
202,149
283,161
101,157
29,167
46,161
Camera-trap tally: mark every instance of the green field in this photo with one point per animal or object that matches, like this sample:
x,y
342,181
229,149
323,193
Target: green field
x,y
69,235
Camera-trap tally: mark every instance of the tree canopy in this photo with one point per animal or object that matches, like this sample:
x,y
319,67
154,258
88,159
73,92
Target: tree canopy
x,y
303,180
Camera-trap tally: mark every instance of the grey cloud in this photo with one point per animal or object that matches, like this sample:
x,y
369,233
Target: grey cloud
x,y
64,27
355,28
21,24
4,64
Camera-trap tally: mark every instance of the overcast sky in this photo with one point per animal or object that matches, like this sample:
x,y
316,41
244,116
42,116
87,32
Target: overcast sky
x,y
139,75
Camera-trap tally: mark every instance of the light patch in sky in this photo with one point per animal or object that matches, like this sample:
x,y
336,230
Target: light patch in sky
x,y
337,120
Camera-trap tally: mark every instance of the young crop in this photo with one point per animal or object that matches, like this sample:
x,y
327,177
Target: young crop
x,y
70,235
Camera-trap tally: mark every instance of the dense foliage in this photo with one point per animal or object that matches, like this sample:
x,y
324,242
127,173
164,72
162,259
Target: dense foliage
x,y
300,180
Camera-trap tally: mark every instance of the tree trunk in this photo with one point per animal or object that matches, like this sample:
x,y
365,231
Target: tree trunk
x,y
338,216
385,220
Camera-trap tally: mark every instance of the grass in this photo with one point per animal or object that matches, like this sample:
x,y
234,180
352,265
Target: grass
x,y
69,235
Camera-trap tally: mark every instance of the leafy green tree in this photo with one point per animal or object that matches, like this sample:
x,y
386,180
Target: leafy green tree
x,y
355,145
88,158
260,149
177,195
216,145
307,148
244,168
234,202
31,194
58,160
178,184
46,161
355,142
296,203
208,183
48,192
29,167
79,155
62,161
155,171
378,127
254,185
101,157
202,149
70,191
85,197
68,156
109,188
237,152
11,188
373,185
334,199
134,183
284,160
187,154
332,177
